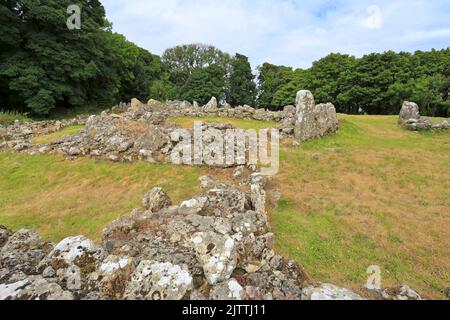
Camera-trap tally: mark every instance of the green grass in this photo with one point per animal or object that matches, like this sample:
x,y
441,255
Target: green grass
x,y
188,122
61,198
378,195
46,139
8,117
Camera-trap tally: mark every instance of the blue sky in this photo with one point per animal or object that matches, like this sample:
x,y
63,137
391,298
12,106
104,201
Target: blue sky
x,y
287,32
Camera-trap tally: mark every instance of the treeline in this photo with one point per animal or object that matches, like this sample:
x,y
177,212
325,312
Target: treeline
x,y
375,84
45,67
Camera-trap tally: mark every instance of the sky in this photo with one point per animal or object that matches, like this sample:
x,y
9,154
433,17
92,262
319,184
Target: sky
x,y
284,32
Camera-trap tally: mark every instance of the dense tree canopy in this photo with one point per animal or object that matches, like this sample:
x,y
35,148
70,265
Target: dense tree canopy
x,y
242,86
44,65
376,83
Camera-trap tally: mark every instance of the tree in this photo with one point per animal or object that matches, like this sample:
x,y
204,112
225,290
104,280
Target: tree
x,y
270,79
203,84
181,61
242,86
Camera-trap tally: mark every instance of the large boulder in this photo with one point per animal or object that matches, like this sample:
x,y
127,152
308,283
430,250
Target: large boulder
x,y
409,111
314,121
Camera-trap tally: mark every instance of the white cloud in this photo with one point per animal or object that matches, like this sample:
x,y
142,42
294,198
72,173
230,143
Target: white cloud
x,y
289,32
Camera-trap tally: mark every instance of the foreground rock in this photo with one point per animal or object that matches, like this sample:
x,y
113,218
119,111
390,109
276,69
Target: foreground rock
x,y
410,119
314,121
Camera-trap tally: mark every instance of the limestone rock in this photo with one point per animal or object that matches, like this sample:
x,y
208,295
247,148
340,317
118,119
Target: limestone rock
x,y
4,235
33,288
217,254
211,106
402,293
409,111
154,280
328,292
135,103
78,251
156,200
23,251
314,121
115,272
228,290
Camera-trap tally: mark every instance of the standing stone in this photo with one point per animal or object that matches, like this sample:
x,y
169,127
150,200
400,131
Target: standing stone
x,y
410,111
211,106
314,121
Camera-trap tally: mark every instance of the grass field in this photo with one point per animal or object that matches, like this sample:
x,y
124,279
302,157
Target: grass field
x,y
67,131
377,195
61,198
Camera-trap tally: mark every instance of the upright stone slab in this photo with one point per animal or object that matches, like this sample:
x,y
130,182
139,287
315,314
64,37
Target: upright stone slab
x,y
313,121
410,112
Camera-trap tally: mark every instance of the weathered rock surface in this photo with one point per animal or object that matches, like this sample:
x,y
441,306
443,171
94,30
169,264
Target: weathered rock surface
x,y
328,292
314,121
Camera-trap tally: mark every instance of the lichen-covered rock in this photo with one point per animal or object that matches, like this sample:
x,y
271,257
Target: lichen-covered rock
x,y
154,280
328,292
228,290
23,251
211,106
135,103
156,200
114,273
33,288
314,121
78,251
217,254
4,235
401,293
409,111
225,202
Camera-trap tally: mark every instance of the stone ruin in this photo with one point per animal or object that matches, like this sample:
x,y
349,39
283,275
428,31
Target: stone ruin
x,y
137,131
217,246
410,119
314,121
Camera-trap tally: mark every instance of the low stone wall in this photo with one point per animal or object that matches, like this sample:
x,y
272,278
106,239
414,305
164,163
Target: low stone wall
x,y
410,119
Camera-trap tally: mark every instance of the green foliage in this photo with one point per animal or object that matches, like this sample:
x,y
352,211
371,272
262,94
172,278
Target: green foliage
x,y
271,78
44,65
8,117
242,87
204,84
377,83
